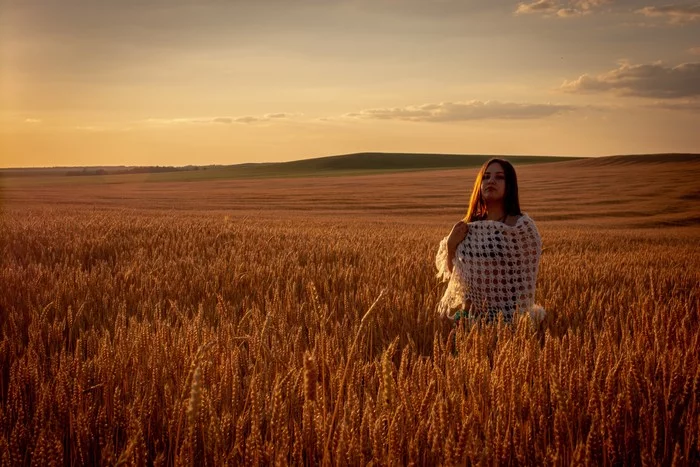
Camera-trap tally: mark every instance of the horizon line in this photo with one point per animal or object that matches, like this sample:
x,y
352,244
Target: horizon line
x,y
3,168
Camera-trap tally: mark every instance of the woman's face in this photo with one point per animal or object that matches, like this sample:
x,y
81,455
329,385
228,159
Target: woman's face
x,y
493,185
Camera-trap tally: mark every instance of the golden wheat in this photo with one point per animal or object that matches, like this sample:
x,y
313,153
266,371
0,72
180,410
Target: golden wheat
x,y
187,337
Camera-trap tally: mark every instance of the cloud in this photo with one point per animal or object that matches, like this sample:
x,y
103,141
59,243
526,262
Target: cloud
x,y
648,80
32,120
676,14
539,6
90,128
219,120
226,120
687,106
247,119
560,9
182,121
462,111
694,50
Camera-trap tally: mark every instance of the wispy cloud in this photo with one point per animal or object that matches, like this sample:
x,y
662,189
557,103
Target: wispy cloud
x,y
463,111
226,120
694,50
675,14
32,120
547,7
90,128
555,8
220,120
686,106
248,119
173,121
647,80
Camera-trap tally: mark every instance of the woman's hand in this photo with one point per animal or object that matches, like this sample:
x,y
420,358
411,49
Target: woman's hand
x,y
457,235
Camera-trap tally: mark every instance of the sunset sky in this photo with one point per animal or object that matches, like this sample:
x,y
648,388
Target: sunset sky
x,y
177,82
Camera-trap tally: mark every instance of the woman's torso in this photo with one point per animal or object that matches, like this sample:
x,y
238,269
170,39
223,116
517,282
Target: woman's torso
x,y
498,272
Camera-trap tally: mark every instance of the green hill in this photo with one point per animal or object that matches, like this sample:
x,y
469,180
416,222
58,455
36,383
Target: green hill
x,y
394,161
352,164
346,164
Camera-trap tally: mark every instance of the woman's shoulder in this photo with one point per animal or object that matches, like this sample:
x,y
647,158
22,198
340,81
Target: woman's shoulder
x,y
514,219
517,219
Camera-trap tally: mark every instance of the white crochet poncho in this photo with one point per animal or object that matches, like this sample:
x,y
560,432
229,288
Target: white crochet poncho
x,y
495,269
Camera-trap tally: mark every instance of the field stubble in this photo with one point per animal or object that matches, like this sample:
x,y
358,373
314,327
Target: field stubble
x,y
222,322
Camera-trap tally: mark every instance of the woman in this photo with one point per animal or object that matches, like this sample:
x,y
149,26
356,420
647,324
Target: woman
x,y
491,257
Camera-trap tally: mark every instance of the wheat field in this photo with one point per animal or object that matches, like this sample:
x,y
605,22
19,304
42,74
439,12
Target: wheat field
x,y
293,321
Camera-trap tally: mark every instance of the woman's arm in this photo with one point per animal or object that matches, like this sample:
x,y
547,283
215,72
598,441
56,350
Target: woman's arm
x,y
442,259
451,251
448,249
457,236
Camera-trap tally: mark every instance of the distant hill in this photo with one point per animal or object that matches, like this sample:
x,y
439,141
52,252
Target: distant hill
x,y
358,164
397,161
345,164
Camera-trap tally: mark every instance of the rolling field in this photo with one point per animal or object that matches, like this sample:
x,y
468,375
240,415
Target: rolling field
x,y
281,321
329,166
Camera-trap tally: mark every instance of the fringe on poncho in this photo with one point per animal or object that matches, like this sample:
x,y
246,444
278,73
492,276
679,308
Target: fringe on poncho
x,y
495,269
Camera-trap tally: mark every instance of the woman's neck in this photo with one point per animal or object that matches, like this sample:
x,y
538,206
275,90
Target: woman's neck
x,y
495,212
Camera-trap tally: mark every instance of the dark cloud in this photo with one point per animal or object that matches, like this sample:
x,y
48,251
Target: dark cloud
x,y
676,14
463,111
648,80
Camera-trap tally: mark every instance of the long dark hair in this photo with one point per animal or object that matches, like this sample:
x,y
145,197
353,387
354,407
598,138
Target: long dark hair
x,y
511,201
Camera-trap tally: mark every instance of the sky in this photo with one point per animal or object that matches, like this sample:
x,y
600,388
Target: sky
x,y
179,82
